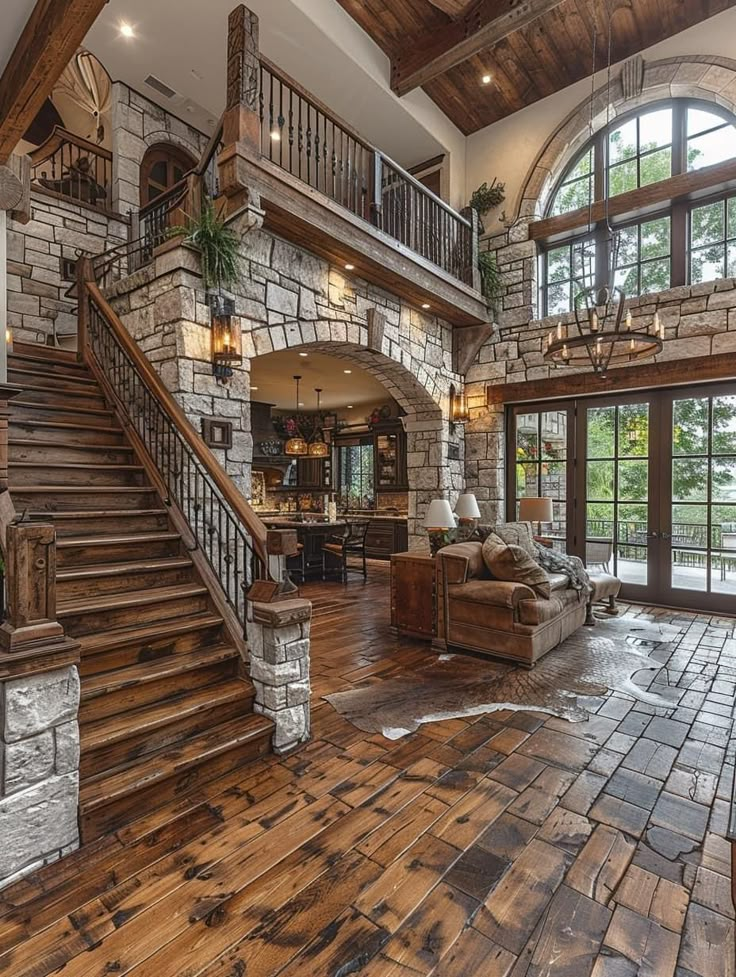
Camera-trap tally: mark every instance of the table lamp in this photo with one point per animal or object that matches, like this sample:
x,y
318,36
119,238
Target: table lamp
x,y
536,510
439,523
468,514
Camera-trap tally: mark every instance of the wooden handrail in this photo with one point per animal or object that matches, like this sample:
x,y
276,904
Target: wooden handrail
x,y
224,483
210,149
420,188
59,136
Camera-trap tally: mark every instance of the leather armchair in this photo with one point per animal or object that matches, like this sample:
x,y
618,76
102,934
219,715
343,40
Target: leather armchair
x,y
499,618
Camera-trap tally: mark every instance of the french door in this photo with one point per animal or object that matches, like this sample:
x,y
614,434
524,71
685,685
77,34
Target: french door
x,y
644,487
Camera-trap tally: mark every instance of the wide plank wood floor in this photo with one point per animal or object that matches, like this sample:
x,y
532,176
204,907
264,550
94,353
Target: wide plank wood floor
x,y
510,845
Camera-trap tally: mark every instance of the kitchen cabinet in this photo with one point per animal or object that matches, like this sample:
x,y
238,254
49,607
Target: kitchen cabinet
x,y
313,473
389,453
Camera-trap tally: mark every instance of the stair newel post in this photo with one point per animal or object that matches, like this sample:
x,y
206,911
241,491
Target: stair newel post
x,y
241,126
30,568
85,273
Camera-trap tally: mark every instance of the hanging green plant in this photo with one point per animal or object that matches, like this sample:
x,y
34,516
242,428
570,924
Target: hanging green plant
x,y
487,197
218,246
491,279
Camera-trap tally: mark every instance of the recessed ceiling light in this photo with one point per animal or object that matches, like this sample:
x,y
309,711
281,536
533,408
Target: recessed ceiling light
x,y
126,30
350,406
275,135
349,267
254,388
347,371
487,79
425,305
300,404
304,354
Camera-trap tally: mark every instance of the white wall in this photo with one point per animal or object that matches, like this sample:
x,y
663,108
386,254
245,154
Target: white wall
x,y
507,149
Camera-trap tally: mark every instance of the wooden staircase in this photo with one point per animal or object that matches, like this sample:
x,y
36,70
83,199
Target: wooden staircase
x,y
166,705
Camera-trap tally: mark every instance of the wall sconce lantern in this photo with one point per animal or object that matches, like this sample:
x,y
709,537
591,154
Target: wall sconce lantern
x,y
459,413
227,347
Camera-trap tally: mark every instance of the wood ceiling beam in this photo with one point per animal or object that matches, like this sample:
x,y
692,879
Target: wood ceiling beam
x,y
486,23
47,44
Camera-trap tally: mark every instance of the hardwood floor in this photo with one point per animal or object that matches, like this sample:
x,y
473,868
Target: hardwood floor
x,y
511,845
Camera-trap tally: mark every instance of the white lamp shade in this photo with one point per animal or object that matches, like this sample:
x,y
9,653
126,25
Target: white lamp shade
x,y
439,515
535,510
467,507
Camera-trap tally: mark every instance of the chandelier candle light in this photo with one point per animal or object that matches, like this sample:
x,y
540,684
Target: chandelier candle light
x,y
604,334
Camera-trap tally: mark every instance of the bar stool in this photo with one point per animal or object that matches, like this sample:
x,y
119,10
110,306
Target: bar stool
x,y
350,543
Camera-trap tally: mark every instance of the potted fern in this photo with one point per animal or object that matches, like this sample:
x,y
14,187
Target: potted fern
x,y
218,246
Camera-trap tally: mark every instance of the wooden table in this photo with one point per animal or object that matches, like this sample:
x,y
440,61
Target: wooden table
x,y
312,535
413,603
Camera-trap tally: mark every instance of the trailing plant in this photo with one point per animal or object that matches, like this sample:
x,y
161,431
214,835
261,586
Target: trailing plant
x,y
491,278
487,197
218,246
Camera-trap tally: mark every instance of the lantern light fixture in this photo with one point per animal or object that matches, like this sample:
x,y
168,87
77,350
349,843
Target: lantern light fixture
x,y
459,413
227,349
318,447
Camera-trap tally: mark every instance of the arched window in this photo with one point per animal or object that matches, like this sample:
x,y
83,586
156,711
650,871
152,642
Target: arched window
x,y
163,165
674,224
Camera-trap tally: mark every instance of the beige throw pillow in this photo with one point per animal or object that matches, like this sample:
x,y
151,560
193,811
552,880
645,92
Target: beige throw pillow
x,y
514,564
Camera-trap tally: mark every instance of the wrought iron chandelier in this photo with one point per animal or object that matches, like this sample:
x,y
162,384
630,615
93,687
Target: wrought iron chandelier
x,y
603,333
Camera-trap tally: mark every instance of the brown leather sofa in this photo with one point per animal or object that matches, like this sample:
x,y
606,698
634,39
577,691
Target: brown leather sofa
x,y
493,617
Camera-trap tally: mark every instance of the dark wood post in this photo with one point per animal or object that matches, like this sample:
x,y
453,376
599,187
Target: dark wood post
x,y
85,273
471,255
241,125
30,573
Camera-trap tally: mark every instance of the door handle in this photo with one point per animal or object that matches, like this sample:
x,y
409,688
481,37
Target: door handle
x,y
653,535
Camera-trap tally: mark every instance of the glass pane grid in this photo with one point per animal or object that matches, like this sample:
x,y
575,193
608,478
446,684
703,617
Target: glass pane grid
x,y
712,240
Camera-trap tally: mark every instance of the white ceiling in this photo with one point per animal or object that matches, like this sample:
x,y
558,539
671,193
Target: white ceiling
x,y
184,43
274,373
15,14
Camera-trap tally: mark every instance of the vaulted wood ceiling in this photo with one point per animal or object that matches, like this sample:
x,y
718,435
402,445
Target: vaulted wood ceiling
x,y
531,48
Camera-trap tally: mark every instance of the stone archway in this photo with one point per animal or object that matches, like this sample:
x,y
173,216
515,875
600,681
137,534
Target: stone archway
x,y
705,77
434,450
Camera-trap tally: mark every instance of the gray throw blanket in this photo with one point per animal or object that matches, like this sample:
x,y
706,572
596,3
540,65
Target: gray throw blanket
x,y
571,566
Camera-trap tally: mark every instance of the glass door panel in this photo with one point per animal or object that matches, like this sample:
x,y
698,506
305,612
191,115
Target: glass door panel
x,y
541,465
701,557
616,468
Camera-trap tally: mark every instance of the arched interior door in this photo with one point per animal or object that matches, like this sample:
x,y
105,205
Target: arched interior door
x,y
163,166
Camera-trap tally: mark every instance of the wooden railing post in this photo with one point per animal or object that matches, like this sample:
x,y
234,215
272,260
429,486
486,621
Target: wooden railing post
x,y
241,127
85,273
377,189
30,574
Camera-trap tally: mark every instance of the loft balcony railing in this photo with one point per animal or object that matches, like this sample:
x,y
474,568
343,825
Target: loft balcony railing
x,y
303,137
73,168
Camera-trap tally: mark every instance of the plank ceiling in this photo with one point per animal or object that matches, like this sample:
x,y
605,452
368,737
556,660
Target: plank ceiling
x,y
534,61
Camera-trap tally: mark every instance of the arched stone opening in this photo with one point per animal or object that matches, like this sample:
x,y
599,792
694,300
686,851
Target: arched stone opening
x,y
434,447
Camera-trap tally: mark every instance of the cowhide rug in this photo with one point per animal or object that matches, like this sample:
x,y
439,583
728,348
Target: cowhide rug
x,y
589,663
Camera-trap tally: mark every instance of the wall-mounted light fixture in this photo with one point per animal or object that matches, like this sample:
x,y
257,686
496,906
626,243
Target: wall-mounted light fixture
x,y
227,349
459,413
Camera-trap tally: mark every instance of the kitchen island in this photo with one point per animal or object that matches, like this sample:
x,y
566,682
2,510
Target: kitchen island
x,y
312,534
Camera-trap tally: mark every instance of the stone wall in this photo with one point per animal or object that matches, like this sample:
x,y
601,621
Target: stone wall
x,y
58,229
290,298
39,770
137,124
699,320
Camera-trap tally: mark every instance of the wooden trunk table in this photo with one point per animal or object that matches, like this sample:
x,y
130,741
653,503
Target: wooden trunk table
x,y
413,604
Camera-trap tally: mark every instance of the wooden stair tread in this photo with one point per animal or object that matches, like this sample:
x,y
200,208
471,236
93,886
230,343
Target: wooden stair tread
x,y
98,570
57,445
117,783
133,598
107,641
64,425
62,392
86,381
114,729
44,352
77,466
40,514
72,542
141,673
86,489
62,408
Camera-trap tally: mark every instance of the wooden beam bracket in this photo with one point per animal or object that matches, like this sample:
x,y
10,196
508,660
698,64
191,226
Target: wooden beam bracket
x,y
466,344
